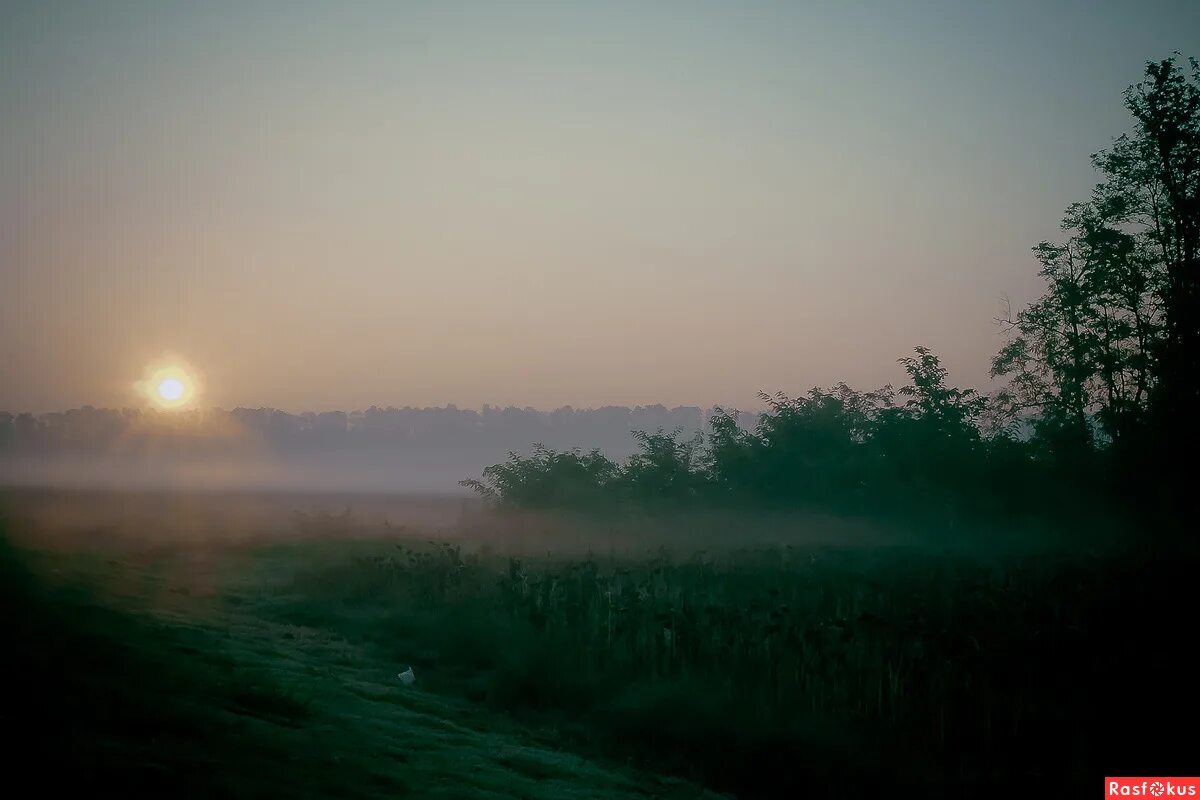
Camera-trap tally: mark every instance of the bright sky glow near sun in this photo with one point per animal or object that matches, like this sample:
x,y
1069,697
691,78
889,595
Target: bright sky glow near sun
x,y
334,205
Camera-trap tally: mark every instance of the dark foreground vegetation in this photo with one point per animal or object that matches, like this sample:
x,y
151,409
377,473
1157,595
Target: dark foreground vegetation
x,y
100,700
264,661
139,664
795,671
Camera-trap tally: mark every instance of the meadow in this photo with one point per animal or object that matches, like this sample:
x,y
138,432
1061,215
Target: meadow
x,y
559,657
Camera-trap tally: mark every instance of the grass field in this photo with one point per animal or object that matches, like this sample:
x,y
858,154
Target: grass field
x,y
234,654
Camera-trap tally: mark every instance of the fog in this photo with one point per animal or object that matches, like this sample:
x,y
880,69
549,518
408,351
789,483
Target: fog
x,y
407,450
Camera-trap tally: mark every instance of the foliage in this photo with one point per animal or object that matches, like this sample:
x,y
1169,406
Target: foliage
x,y
1101,376
548,478
1113,344
829,450
786,670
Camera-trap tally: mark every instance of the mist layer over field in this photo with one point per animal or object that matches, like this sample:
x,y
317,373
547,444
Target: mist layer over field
x,y
564,656
390,450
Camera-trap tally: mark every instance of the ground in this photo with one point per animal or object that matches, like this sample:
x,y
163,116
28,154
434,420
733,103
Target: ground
x,y
155,670
249,646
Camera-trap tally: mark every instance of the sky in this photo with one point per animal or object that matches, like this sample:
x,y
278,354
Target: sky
x,y
338,205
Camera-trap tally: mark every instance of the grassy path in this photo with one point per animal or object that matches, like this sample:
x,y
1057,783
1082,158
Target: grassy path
x,y
128,678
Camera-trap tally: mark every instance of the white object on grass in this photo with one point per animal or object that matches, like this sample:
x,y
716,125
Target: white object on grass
x,y
407,677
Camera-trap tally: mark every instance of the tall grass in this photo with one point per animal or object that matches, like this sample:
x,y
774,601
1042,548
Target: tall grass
x,y
773,669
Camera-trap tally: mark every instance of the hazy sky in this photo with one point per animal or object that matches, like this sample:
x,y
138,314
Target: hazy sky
x,y
344,204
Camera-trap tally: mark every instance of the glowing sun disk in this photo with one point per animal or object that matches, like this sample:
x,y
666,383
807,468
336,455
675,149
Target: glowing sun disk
x,y
170,389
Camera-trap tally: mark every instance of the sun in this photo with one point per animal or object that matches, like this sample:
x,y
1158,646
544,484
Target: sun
x,y
169,386
170,390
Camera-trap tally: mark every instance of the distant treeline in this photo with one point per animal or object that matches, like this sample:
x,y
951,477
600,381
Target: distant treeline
x,y
1102,394
101,431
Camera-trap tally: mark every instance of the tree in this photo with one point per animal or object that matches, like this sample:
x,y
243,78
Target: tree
x,y
547,479
948,410
1163,185
1115,339
1063,344
664,468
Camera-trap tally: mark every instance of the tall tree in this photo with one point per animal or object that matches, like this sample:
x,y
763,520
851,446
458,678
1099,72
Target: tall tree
x,y
1052,354
1115,338
1166,191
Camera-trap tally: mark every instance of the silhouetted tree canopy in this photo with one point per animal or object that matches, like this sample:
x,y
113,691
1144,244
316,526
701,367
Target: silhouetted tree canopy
x,y
1102,376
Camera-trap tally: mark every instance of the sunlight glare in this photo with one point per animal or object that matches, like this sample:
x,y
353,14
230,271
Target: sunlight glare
x,y
169,386
170,389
